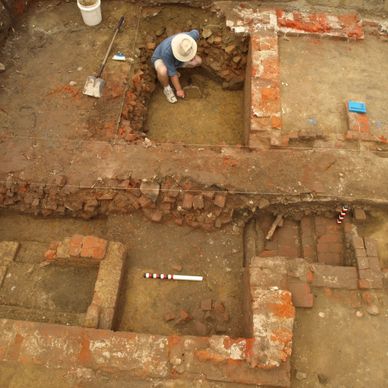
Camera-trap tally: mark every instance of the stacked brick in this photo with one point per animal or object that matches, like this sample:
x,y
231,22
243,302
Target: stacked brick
x,y
265,123
269,312
285,241
101,312
183,202
90,250
338,26
77,250
146,356
330,241
368,264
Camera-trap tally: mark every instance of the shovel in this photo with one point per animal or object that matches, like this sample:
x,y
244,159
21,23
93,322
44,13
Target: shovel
x,y
94,85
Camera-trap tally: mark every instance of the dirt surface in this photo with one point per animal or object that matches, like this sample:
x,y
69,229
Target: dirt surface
x,y
335,348
210,115
319,75
48,59
377,228
162,249
144,303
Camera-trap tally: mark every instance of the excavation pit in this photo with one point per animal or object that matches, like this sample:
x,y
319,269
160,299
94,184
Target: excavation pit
x,y
209,115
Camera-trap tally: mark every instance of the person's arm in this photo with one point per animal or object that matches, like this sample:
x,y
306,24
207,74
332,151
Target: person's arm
x,y
177,85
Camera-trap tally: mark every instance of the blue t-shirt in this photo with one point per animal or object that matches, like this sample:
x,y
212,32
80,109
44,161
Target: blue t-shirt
x,y
164,52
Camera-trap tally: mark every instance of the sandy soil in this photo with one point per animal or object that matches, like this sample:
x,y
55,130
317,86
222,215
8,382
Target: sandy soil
x,y
51,48
341,350
377,228
319,75
208,116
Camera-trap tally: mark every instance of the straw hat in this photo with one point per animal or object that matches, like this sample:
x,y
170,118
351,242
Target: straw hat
x,y
184,47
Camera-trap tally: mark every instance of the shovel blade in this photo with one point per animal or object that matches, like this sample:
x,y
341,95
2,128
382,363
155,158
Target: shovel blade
x,y
94,86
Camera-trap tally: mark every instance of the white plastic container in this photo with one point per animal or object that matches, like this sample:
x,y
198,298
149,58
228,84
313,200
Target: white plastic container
x,y
91,14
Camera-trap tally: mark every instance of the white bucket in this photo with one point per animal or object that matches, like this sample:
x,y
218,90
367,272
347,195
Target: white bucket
x,y
91,14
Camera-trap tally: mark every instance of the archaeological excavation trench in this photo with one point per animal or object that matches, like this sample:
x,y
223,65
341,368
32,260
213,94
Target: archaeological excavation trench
x,y
262,181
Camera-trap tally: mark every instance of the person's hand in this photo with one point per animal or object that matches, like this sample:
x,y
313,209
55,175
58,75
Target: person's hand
x,y
180,93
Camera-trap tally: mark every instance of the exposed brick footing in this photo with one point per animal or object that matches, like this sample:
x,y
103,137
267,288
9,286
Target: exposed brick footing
x,y
298,275
81,250
315,238
338,26
368,263
269,311
216,358
265,118
181,201
102,310
284,274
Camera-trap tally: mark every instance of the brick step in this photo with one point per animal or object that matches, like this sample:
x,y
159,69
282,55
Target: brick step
x,y
22,313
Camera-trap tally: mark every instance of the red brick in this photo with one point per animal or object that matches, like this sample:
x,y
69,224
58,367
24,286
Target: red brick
x,y
309,251
154,215
374,263
270,69
371,247
276,123
288,250
198,202
301,294
93,247
330,238
220,200
334,276
357,122
375,278
50,255
330,258
362,262
145,202
187,201
270,94
358,242
363,284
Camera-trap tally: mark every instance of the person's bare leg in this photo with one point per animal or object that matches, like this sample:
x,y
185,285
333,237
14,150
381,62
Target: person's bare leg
x,y
162,74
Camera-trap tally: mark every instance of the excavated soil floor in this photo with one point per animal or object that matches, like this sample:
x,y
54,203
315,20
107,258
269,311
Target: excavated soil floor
x,y
208,114
319,75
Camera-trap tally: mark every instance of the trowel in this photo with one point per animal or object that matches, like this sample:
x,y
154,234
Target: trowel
x,y
94,85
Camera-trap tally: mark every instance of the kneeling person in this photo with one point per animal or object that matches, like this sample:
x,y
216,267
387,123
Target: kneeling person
x,y
172,53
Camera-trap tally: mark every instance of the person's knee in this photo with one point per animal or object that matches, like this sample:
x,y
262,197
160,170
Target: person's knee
x,y
162,71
